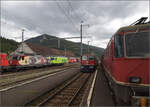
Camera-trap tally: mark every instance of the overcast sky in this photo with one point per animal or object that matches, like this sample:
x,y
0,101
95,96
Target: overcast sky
x,y
62,18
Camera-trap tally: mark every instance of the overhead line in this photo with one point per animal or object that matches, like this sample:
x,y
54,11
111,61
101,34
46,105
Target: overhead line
x,y
68,12
69,3
66,15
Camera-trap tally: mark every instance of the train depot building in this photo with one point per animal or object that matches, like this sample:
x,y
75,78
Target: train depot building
x,y
35,49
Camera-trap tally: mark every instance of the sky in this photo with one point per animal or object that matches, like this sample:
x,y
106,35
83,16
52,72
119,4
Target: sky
x,y
63,18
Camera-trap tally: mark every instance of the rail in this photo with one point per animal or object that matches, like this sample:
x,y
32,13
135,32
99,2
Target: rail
x,y
14,79
20,94
70,89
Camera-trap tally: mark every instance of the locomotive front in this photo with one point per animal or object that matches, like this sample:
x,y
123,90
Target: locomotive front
x,y
126,62
88,63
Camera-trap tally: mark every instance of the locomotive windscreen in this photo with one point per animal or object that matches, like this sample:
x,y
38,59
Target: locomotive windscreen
x,y
91,57
137,44
15,57
84,57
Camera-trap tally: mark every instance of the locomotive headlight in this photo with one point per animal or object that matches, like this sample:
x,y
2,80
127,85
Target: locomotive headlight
x,y
134,79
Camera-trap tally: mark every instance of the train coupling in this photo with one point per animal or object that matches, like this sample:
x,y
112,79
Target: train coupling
x,y
140,101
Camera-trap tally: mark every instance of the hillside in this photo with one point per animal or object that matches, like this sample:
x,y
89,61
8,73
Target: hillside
x,y
52,42
7,45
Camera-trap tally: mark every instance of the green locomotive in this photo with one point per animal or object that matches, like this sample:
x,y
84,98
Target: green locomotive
x,y
58,60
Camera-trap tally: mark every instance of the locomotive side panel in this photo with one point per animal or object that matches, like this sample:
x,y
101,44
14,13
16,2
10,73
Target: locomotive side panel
x,y
127,68
24,60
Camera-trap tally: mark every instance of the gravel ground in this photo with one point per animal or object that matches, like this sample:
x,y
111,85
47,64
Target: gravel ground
x,y
24,76
64,96
28,71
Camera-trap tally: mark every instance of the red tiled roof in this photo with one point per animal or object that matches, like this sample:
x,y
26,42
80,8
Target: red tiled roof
x,y
46,51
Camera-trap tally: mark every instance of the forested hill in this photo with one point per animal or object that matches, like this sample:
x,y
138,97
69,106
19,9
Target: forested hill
x,y
52,42
7,45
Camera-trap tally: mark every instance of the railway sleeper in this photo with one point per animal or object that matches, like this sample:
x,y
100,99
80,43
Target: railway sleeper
x,y
69,92
70,98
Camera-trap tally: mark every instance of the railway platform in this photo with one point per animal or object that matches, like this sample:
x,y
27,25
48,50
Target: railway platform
x,y
101,94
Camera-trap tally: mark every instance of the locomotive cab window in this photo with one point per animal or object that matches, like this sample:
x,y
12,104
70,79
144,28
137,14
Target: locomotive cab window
x,y
118,42
22,57
52,58
137,44
18,58
91,57
84,57
15,58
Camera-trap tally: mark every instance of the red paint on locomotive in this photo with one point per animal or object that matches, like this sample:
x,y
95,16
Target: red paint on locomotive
x,y
3,59
14,60
72,60
122,68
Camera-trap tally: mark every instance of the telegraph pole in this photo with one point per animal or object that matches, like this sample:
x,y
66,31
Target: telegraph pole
x,y
22,39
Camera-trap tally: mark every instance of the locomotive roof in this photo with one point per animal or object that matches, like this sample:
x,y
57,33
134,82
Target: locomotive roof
x,y
134,28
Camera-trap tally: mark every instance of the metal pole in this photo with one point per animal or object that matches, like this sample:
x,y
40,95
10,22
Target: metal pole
x,y
58,43
88,47
22,40
65,49
81,38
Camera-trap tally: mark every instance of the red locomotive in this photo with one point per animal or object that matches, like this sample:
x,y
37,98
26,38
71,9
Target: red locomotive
x,y
126,63
88,63
72,60
3,59
27,60
3,62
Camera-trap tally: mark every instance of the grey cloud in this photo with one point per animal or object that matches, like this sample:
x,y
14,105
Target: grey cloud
x,y
49,17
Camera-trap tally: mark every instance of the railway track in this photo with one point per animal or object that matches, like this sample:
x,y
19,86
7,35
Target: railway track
x,y
69,93
20,93
9,73
31,71
19,78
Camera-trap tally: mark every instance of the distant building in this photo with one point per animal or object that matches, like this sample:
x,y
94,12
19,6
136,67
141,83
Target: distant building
x,y
35,49
26,50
